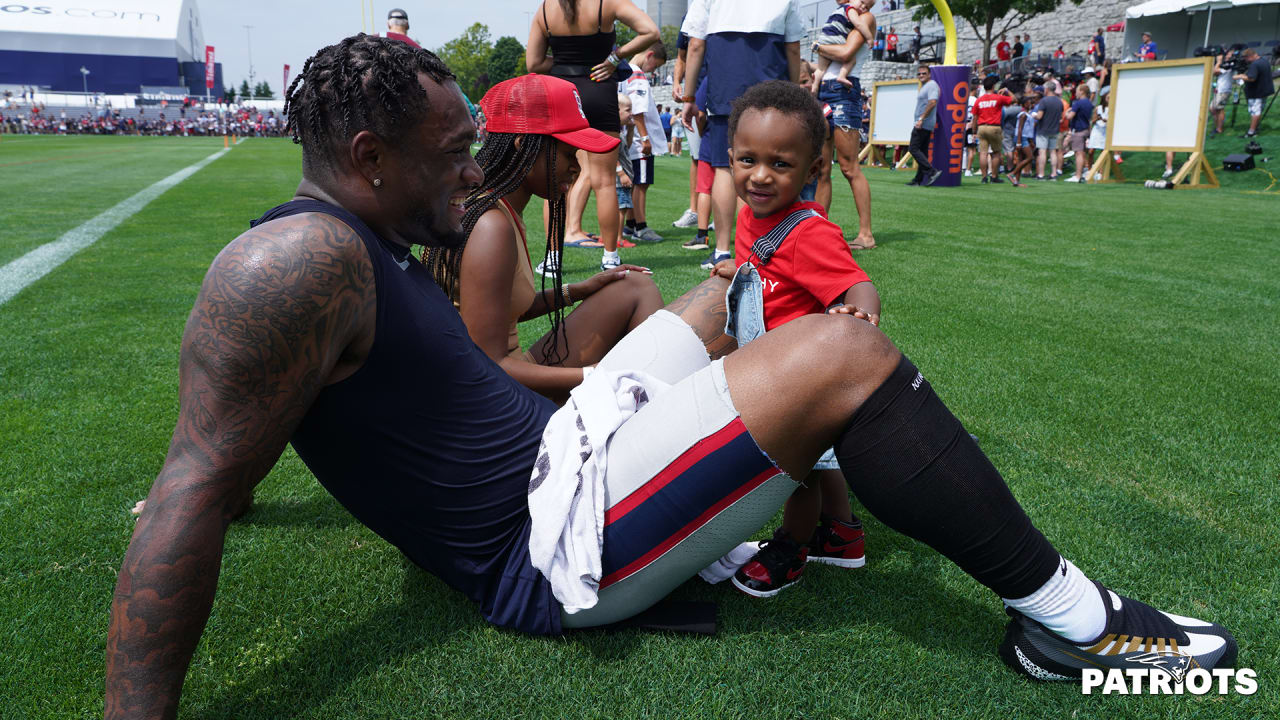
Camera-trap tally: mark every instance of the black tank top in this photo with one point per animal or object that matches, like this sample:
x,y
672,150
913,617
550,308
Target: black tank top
x,y
430,444
588,50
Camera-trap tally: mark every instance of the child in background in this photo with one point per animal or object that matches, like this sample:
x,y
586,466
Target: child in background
x,y
1098,131
623,181
848,17
777,131
1024,140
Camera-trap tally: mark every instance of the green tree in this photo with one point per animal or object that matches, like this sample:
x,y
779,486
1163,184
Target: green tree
x,y
245,92
263,90
670,38
230,95
669,34
506,61
984,16
625,34
468,57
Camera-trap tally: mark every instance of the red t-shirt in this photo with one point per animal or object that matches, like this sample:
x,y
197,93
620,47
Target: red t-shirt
x,y
402,38
810,270
891,42
989,106
1002,51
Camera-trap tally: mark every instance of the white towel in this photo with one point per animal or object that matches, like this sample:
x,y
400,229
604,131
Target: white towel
x,y
566,490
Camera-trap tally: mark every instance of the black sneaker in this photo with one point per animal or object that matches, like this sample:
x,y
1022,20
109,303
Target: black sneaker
x,y
838,543
715,257
996,179
933,177
1136,636
985,180
775,568
914,182
695,243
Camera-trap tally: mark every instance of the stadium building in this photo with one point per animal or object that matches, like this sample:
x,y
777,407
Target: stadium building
x,y
124,44
667,12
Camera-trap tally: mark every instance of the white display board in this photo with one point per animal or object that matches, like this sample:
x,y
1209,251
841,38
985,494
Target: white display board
x,y
893,112
1159,105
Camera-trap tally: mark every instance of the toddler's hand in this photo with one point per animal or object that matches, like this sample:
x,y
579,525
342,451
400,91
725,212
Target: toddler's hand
x,y
873,318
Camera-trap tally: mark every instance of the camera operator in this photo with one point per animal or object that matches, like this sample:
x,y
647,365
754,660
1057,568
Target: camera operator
x,y
1223,69
1257,87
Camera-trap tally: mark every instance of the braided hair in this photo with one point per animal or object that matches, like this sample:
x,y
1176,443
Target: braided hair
x,y
506,164
364,82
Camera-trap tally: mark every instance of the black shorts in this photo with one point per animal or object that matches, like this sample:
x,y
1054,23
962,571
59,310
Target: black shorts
x,y
642,171
599,101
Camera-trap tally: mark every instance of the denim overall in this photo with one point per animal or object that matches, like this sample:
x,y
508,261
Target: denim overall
x,y
744,299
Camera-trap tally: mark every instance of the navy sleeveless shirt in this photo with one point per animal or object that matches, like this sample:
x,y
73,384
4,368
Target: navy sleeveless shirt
x,y
430,444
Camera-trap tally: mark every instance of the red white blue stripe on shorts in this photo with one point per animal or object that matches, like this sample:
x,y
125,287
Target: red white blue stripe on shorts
x,y
716,472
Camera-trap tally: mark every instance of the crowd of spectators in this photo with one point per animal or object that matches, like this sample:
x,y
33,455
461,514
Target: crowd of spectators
x,y
188,120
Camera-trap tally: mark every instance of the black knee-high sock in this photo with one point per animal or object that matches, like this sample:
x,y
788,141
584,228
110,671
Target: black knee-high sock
x,y
911,463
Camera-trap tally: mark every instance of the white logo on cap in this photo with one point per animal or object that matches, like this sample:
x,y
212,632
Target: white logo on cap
x,y
579,99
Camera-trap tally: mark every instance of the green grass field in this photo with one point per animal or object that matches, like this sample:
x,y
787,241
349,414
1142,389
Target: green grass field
x,y
1116,349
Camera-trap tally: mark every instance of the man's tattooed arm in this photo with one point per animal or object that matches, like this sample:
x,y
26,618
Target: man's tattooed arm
x,y
279,310
704,310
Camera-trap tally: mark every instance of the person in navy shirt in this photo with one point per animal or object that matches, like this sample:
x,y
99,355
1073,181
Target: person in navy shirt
x,y
744,42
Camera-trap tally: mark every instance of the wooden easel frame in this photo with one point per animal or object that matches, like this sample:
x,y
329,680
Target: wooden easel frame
x,y
1196,164
906,160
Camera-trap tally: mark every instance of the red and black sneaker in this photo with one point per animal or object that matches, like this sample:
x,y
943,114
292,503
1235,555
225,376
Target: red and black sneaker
x,y
838,543
775,568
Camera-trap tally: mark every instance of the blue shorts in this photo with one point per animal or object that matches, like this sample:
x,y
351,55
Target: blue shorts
x,y
845,103
624,196
715,142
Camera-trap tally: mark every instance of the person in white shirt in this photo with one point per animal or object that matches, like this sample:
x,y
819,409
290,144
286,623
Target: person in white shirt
x,y
1221,89
649,139
744,42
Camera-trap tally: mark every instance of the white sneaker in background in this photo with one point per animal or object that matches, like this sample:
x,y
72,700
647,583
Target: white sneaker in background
x,y
687,220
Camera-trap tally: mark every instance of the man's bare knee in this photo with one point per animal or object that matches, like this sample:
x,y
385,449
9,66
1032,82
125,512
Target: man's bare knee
x,y
850,348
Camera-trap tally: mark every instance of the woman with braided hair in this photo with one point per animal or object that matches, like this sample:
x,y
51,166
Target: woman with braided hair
x,y
536,124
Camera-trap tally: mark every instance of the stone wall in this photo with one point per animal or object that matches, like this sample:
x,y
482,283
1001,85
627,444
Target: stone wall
x,y
872,72
1070,26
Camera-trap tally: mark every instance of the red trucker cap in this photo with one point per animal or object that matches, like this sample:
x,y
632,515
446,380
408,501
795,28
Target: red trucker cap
x,y
542,105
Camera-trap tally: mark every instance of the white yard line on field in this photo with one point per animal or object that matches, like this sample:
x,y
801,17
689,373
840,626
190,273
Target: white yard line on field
x,y
18,274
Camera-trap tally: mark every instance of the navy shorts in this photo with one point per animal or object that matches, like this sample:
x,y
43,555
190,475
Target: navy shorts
x,y
642,170
715,142
845,103
809,193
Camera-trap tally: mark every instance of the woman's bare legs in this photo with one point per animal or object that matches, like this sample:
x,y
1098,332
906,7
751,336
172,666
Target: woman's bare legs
x,y
847,146
603,167
600,321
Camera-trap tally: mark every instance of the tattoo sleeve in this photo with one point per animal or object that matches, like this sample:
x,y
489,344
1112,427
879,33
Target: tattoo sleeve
x,y
275,313
704,310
